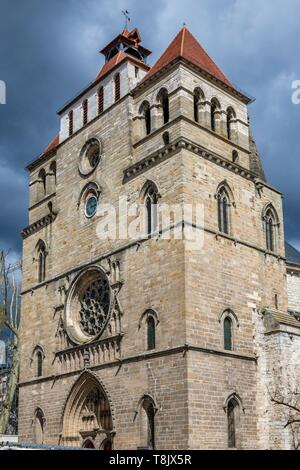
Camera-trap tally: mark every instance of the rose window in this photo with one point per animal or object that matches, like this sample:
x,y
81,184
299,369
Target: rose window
x,y
94,307
88,305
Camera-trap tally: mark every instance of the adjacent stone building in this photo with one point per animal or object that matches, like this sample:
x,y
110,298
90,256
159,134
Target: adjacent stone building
x,y
155,341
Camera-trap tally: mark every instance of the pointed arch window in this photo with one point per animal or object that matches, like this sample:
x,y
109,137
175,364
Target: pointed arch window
x,y
271,227
148,409
231,422
228,330
164,101
151,333
100,100
151,200
42,262
39,426
39,358
223,211
230,115
117,87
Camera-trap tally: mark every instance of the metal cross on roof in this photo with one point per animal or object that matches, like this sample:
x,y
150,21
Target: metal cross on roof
x,y
127,18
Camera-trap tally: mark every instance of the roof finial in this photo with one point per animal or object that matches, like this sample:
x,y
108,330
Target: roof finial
x,y
184,24
127,18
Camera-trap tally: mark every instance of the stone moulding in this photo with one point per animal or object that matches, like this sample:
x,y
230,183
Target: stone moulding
x,y
38,225
182,143
99,352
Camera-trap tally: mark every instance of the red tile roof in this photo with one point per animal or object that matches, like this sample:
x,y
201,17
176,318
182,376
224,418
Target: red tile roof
x,y
54,143
117,60
187,47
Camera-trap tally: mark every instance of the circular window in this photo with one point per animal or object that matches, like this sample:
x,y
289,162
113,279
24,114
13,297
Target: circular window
x,y
91,205
90,157
88,306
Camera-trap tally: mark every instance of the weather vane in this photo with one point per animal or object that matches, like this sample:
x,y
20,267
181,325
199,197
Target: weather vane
x,y
127,17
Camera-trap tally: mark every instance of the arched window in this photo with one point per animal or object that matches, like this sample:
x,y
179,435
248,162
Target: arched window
x,y
38,360
39,426
214,106
151,200
228,326
223,211
100,100
231,422
271,226
198,97
85,107
150,333
53,173
235,156
146,113
166,138
41,262
148,423
230,115
70,123
269,232
164,101
43,182
117,87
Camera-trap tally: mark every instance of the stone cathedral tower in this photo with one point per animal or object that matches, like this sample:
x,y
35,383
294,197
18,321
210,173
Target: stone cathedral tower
x,y
133,343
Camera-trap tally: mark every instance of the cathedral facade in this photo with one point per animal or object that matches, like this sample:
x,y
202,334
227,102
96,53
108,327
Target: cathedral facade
x,y
151,341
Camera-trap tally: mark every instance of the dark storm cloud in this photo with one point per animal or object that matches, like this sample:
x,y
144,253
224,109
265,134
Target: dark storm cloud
x,y
49,51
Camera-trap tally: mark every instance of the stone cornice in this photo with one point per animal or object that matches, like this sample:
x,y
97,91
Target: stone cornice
x,y
293,269
182,143
42,201
183,349
38,225
138,243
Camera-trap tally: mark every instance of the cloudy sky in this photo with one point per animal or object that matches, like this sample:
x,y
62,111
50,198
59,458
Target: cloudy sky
x,y
49,51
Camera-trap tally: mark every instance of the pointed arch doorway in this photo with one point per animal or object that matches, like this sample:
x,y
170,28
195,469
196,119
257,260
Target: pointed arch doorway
x,y
87,417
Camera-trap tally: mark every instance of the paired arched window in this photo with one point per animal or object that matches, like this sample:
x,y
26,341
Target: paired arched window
x,y
198,97
41,258
232,411
146,113
228,333
163,97
214,107
230,115
271,228
100,100
223,210
71,121
85,106
151,200
117,87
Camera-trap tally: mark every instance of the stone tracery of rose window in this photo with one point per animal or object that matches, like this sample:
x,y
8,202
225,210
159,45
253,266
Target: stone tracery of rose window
x,y
94,306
